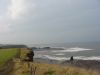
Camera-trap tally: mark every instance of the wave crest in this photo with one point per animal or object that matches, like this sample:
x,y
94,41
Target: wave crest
x,y
76,49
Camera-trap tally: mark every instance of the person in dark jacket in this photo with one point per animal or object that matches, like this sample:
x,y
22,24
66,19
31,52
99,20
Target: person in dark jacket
x,y
71,58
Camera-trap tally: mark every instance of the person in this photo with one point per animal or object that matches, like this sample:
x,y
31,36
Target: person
x,y
71,58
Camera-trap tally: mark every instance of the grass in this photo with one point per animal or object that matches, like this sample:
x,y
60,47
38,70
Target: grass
x,y
48,69
7,54
23,52
61,70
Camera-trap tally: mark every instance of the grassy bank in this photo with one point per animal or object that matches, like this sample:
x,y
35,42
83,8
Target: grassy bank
x,y
6,62
7,54
48,69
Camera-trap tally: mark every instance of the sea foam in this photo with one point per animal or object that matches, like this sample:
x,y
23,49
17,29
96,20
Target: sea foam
x,y
76,49
76,57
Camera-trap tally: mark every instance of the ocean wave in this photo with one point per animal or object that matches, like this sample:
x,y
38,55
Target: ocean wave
x,y
88,58
68,58
55,58
60,54
76,49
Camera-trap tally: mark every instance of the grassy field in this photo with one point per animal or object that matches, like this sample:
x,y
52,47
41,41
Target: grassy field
x,y
6,54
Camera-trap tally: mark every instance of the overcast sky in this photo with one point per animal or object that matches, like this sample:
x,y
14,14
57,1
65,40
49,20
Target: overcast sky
x,y
49,21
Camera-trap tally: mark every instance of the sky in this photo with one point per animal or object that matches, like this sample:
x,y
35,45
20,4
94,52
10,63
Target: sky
x,y
49,21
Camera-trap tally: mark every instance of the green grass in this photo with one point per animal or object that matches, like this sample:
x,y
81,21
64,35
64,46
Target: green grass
x,y
7,54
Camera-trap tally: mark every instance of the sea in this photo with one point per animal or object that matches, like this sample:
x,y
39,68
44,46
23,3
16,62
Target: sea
x,y
81,51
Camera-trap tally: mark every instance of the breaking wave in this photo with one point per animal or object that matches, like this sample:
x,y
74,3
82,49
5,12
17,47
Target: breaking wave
x,y
76,49
77,57
60,54
67,58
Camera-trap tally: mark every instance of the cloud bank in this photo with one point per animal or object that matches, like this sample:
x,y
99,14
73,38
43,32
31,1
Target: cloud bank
x,y
49,21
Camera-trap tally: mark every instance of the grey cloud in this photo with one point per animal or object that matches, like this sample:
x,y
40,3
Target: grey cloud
x,y
58,21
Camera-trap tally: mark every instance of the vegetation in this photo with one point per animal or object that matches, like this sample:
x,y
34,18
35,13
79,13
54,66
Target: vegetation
x,y
36,68
21,67
7,54
23,53
48,69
